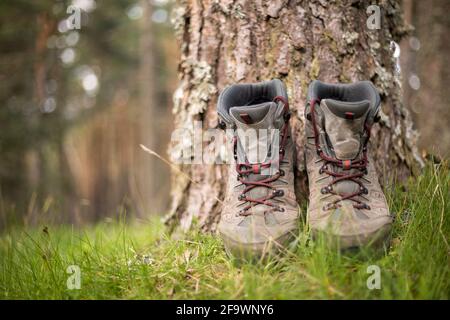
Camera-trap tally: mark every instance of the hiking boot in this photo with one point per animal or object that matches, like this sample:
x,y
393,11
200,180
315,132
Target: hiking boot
x,y
260,213
346,201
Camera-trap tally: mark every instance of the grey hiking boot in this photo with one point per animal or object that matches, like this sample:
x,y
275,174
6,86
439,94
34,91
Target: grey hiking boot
x,y
260,213
346,201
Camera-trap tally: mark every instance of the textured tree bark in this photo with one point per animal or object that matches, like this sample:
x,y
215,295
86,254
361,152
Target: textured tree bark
x,y
231,41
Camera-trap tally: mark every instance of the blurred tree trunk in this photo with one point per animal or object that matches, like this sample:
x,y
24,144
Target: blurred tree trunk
x,y
425,55
35,164
142,184
34,155
297,41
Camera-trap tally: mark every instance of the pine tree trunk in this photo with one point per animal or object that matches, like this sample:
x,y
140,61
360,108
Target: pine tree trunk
x,y
224,42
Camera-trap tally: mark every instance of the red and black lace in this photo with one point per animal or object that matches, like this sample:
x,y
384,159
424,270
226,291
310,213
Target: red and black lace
x,y
244,169
346,165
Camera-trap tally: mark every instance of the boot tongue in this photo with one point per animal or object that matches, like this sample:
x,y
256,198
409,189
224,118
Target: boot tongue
x,y
250,116
255,124
344,125
255,141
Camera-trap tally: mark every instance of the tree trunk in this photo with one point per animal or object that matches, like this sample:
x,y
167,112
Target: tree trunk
x,y
426,59
237,41
144,169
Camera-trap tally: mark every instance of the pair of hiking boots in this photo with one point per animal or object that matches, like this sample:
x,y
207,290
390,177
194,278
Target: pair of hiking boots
x,y
260,213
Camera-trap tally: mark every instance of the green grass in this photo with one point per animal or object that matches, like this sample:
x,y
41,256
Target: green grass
x,y
138,261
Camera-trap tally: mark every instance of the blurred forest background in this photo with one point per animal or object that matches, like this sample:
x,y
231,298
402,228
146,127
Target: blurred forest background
x,y
76,104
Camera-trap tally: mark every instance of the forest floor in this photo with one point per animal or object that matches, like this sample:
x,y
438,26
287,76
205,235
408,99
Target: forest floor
x,y
116,260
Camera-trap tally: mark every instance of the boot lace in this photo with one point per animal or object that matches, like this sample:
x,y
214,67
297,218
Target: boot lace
x,y
244,169
360,166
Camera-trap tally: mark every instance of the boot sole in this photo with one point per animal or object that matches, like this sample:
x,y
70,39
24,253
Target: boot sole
x,y
378,240
258,251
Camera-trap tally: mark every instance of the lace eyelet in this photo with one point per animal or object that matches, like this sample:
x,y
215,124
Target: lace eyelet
x,y
322,169
330,206
377,118
287,116
308,116
222,125
278,193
